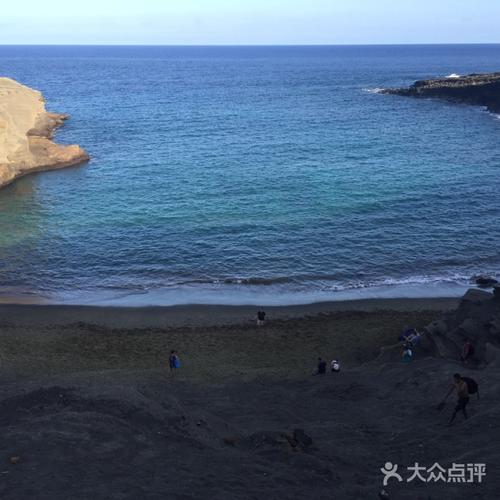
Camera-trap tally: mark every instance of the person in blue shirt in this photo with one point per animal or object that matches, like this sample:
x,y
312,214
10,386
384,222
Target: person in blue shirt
x,y
173,362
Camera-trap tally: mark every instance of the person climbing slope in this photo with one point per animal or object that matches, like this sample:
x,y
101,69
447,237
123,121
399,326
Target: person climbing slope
x,y
460,386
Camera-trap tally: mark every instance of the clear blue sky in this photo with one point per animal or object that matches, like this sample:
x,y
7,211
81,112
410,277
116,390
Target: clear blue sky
x,y
249,21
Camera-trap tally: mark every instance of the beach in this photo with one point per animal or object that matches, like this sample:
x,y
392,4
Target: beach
x,y
282,178
89,408
214,340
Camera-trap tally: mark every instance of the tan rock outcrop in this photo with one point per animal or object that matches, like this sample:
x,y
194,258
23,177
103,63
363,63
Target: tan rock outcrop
x,y
26,131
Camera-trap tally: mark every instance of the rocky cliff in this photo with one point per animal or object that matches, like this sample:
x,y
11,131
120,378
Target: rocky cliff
x,y
26,131
478,319
481,90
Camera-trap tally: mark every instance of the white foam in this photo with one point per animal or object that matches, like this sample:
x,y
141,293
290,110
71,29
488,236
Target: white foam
x,y
453,75
376,90
277,295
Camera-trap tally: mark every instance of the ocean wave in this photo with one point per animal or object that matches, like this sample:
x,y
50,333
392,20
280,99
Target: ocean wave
x,y
278,295
304,282
281,290
322,281
262,281
453,76
375,90
459,279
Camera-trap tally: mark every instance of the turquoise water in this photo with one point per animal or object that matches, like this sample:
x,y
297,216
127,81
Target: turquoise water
x,y
253,175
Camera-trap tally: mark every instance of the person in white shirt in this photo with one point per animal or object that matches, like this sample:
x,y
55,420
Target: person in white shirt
x,y
335,366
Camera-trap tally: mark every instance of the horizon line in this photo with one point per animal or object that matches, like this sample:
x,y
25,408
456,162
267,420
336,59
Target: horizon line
x,y
242,44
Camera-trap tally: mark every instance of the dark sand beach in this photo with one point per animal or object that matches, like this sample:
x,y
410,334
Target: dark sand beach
x,y
217,342
88,405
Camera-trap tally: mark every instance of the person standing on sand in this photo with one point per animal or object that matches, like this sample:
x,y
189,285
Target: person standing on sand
x,y
261,317
321,370
173,362
460,386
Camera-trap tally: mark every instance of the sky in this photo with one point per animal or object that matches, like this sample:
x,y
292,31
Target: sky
x,y
249,22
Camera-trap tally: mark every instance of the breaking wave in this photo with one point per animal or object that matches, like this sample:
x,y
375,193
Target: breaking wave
x,y
375,90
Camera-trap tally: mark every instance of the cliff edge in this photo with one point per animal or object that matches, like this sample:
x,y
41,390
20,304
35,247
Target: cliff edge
x,y
477,89
26,131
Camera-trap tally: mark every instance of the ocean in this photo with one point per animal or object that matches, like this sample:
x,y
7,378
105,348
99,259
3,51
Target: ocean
x,y
253,175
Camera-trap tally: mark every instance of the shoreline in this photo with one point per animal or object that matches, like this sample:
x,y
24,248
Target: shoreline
x,y
236,295
197,315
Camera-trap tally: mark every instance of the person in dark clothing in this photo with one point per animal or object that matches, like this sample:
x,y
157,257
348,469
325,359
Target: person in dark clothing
x,y
460,386
261,317
321,367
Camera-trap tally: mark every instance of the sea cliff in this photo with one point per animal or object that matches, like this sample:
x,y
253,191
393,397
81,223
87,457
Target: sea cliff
x,y
476,89
26,132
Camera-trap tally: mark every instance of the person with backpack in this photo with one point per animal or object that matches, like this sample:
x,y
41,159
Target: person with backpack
x,y
472,386
461,387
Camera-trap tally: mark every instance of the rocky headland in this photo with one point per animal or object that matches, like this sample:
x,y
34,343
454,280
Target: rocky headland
x,y
476,89
26,132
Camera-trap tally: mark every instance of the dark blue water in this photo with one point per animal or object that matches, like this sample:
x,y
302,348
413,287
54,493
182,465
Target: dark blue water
x,y
245,174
